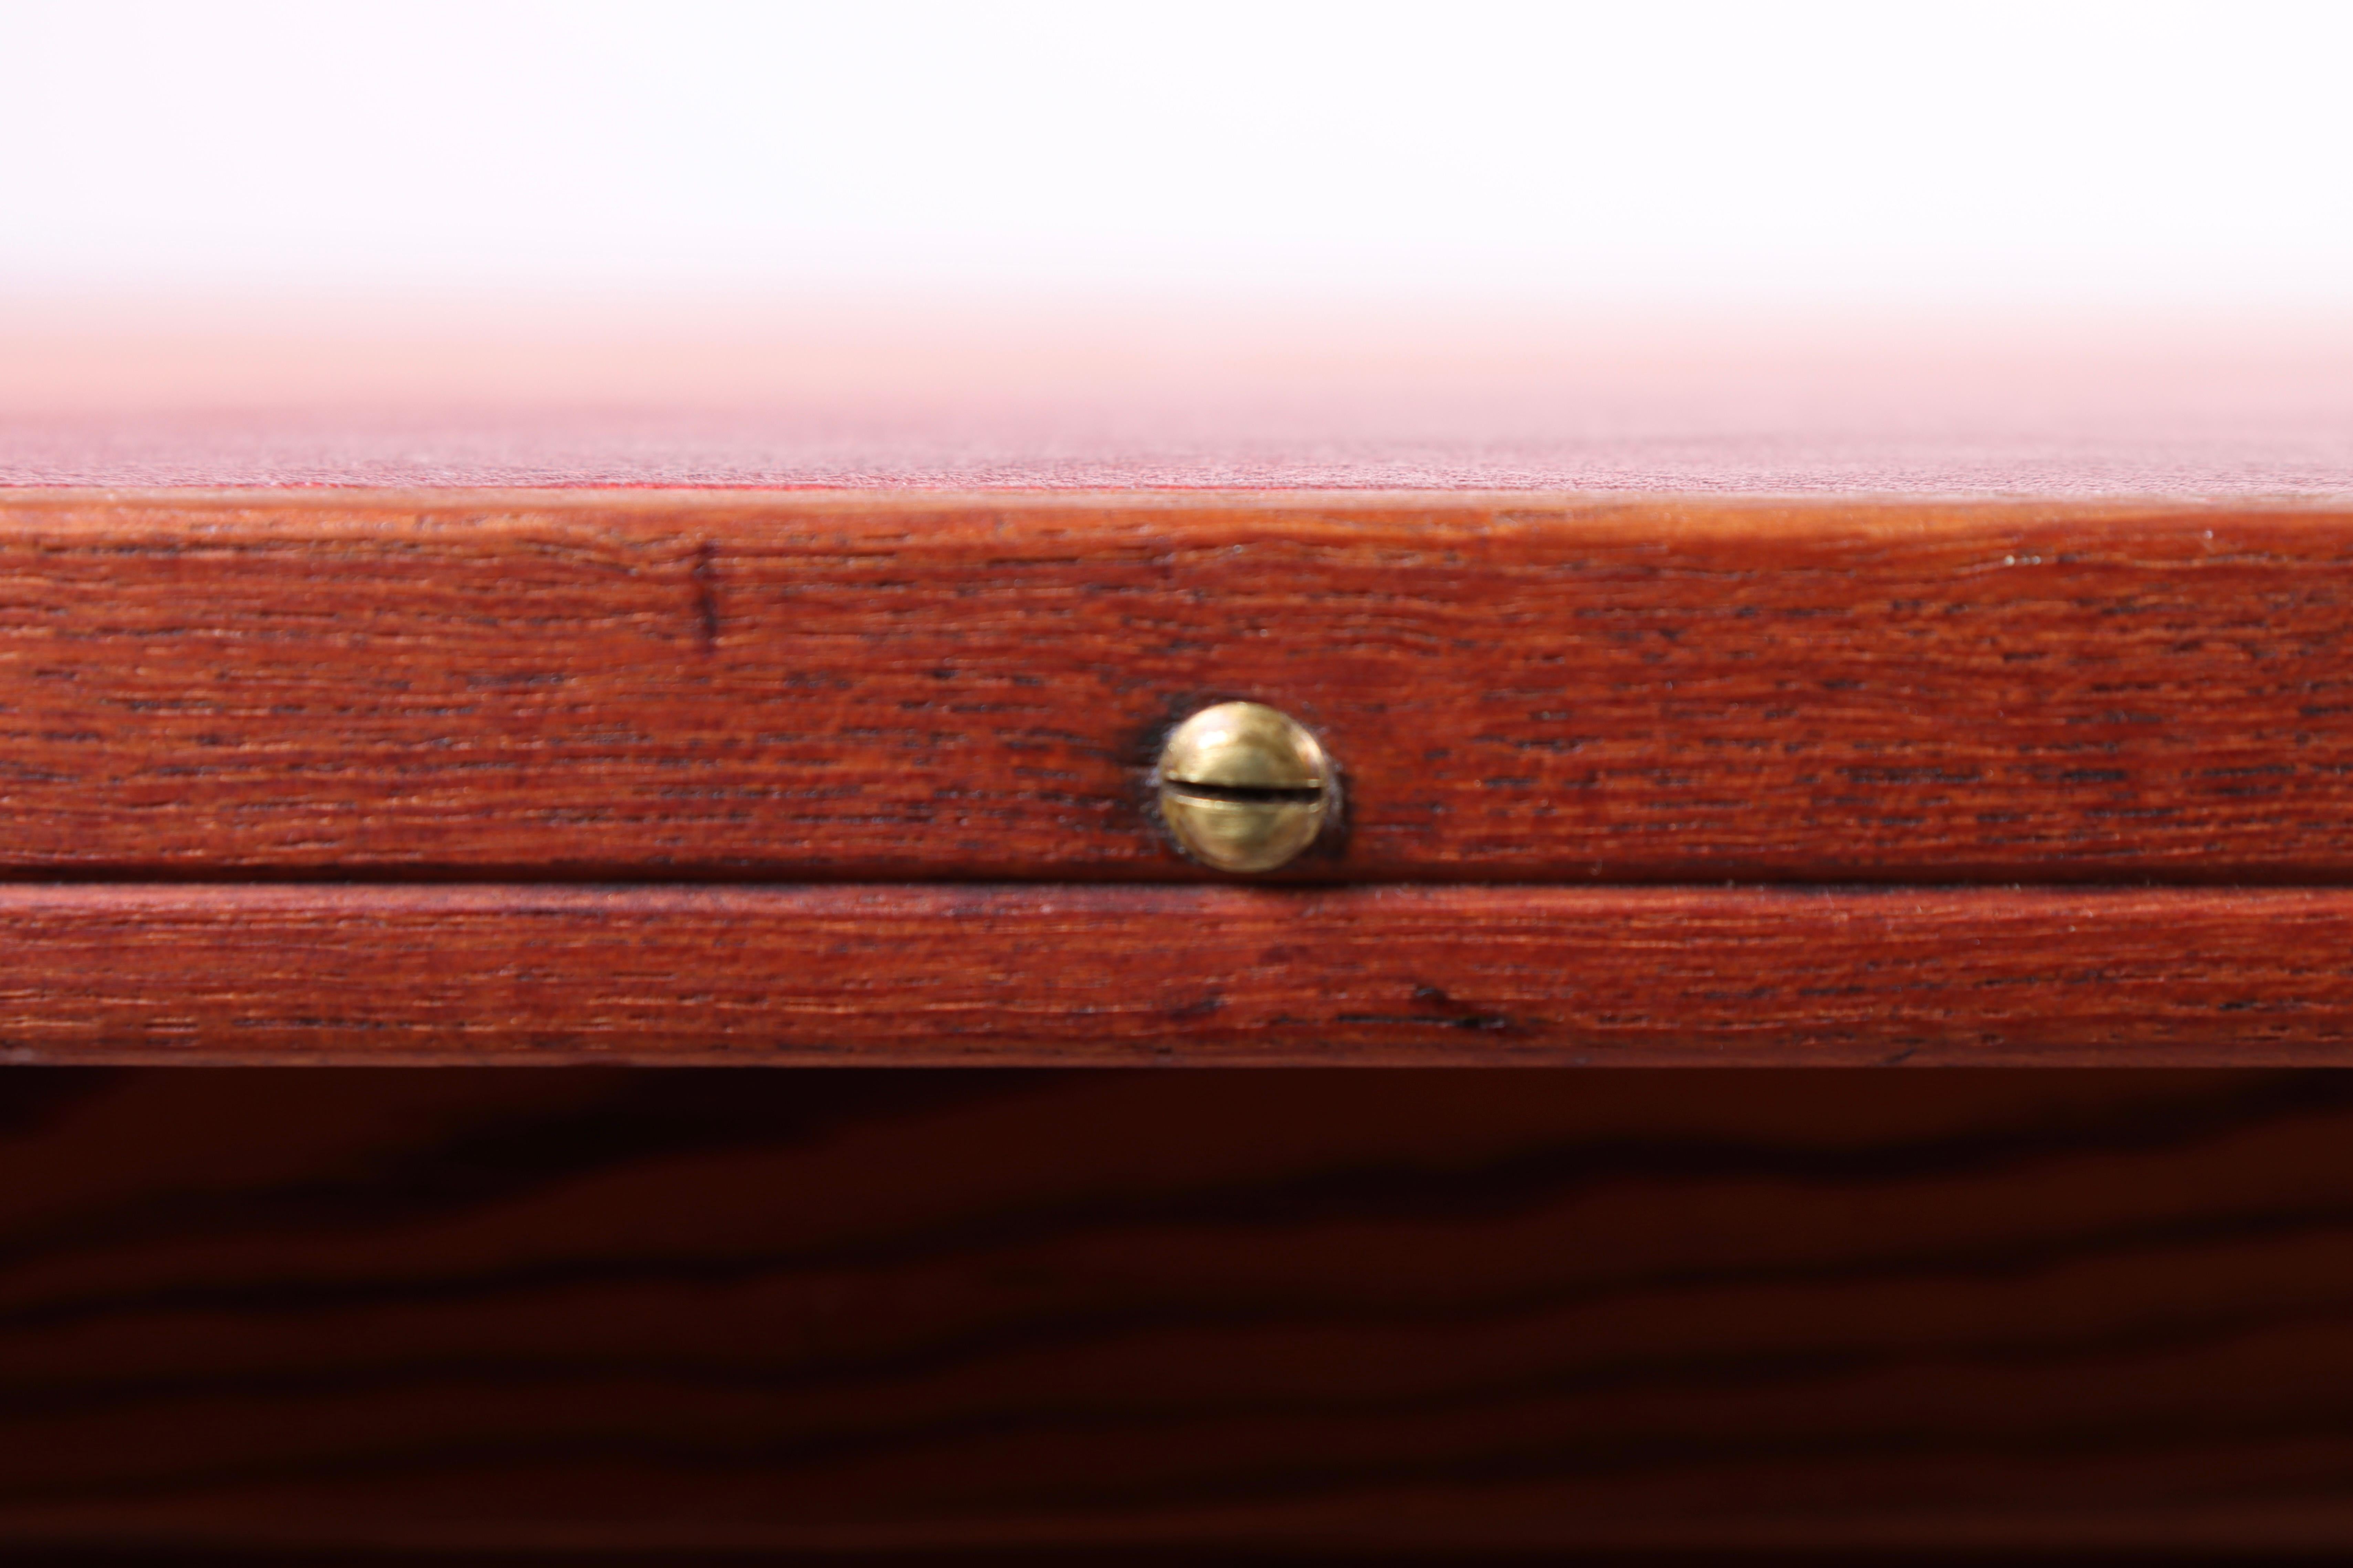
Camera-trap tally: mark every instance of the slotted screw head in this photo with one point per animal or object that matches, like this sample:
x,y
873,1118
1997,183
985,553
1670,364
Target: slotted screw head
x,y
1244,787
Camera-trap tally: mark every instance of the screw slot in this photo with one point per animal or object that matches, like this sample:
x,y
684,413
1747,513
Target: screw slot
x,y
1265,795
1244,787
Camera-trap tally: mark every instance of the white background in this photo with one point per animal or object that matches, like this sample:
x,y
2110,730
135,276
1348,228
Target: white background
x,y
1893,152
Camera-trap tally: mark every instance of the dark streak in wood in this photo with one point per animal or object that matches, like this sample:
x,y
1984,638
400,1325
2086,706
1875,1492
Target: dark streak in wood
x,y
706,597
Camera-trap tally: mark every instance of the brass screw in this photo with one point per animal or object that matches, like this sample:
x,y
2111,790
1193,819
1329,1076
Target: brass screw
x,y
1245,787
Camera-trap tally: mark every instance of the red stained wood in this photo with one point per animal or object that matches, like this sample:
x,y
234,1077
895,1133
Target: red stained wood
x,y
911,686
1216,1310
916,975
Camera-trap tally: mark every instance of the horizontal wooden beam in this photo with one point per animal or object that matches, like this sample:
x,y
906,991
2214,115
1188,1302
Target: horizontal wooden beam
x,y
907,686
931,974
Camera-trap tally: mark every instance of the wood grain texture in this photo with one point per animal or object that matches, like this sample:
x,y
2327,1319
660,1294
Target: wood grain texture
x,y
1440,1311
914,685
916,975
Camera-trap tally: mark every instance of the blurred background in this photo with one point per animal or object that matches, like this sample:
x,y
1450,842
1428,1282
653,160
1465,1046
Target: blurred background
x,y
1660,152
1153,229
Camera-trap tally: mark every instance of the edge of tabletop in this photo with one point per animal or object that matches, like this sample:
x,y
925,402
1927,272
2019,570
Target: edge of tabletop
x,y
1662,517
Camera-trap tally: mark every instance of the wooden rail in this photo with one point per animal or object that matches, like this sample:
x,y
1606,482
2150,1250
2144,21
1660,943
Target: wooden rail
x,y
1014,974
649,686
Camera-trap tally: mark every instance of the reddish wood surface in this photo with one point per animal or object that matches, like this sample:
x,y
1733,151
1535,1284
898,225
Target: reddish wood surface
x,y
900,392
1543,689
1488,442
1431,1311
919,975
